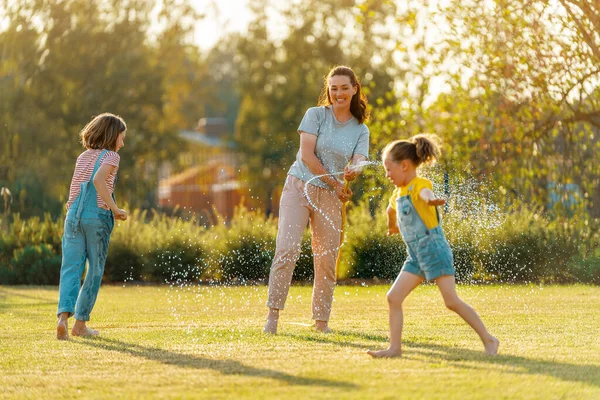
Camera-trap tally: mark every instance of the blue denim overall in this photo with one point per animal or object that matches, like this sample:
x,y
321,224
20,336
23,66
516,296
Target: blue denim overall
x,y
87,233
429,254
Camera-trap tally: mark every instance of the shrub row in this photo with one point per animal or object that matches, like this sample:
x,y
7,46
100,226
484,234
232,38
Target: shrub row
x,y
523,246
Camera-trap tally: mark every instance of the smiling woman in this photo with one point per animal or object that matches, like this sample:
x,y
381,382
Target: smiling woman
x,y
332,135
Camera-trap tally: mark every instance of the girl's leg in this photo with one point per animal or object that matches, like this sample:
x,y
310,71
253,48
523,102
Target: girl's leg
x,y
325,224
404,284
454,303
97,232
62,327
293,219
71,271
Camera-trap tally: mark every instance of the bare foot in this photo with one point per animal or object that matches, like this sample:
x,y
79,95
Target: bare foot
x,y
85,332
491,347
322,327
62,330
387,353
271,326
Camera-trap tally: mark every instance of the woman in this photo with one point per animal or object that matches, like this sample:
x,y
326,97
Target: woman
x,y
332,135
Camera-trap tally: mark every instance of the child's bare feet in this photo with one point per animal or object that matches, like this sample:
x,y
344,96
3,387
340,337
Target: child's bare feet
x,y
387,353
84,332
62,330
322,327
491,347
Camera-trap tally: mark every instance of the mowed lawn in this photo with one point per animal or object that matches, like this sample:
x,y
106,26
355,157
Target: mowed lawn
x,y
206,342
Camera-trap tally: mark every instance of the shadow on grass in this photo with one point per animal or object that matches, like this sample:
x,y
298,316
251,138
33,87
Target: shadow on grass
x,y
461,358
5,294
226,367
340,338
589,373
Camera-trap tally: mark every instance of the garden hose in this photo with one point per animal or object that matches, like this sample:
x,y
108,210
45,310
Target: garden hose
x,y
339,255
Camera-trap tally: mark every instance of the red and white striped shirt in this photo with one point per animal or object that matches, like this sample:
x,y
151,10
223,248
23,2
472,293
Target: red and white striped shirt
x,y
83,173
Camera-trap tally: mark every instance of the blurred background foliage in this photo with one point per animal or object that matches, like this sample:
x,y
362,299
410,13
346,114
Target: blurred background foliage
x,y
510,86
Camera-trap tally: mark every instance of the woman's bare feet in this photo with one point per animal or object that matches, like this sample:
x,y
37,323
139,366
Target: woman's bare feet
x,y
271,327
387,353
491,347
62,330
272,321
321,326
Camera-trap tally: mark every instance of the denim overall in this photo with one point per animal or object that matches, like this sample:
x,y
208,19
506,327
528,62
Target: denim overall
x,y
86,236
429,254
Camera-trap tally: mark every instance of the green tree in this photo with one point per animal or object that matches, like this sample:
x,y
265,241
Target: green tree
x,y
279,78
63,62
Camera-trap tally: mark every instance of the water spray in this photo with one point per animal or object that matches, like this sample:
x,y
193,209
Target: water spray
x,y
353,167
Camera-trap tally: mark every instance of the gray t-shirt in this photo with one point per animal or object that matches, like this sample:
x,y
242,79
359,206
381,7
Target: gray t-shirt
x,y
337,142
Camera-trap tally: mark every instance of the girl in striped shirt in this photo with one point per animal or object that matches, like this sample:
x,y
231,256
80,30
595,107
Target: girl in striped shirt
x,y
91,211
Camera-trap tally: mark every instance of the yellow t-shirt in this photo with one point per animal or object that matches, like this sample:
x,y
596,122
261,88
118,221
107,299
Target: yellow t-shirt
x,y
426,212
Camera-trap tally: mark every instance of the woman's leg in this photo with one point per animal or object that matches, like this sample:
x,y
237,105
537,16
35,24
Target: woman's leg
x,y
293,219
453,302
404,284
326,224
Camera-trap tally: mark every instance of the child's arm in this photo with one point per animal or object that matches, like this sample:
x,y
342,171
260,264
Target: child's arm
x,y
391,222
100,185
429,197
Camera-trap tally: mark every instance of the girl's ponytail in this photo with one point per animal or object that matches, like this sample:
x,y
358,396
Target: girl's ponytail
x,y
428,148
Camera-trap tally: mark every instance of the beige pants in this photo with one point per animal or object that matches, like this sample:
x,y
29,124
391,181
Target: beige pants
x,y
325,217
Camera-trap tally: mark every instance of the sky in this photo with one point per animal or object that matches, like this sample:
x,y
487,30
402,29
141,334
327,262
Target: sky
x,y
222,16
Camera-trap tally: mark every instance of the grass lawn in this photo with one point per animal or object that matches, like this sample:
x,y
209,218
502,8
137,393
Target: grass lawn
x,y
206,342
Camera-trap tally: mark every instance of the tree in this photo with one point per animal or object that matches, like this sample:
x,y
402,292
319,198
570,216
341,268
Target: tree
x,y
66,61
280,78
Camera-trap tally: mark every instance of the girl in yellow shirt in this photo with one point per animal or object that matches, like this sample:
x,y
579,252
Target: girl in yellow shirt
x,y
413,213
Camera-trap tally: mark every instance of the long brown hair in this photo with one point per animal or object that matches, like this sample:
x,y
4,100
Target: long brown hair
x,y
358,105
102,132
420,149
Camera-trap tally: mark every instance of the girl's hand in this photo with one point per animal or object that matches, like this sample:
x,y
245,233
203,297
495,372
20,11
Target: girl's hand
x,y
343,195
120,214
436,202
429,198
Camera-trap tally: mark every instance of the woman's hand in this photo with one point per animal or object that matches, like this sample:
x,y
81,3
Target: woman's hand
x,y
350,173
342,194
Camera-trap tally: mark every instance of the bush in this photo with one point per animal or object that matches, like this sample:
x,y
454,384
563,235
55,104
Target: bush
x,y
176,262
586,269
244,250
37,265
122,263
523,246
368,252
305,268
379,257
530,248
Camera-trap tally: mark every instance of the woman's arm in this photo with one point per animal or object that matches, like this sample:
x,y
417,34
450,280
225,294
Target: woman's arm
x,y
100,184
308,144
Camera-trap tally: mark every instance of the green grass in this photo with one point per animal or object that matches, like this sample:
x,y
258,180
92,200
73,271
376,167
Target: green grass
x,y
206,342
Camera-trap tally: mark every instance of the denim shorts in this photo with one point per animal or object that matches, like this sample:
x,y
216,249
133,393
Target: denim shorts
x,y
429,257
